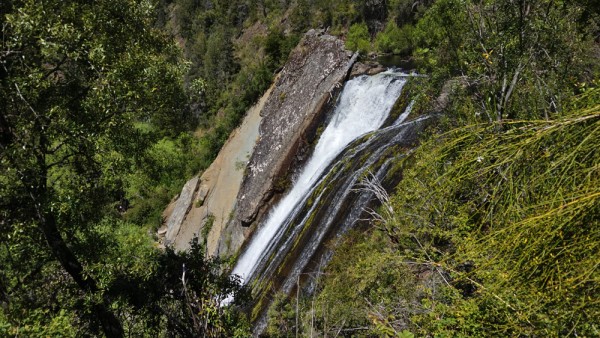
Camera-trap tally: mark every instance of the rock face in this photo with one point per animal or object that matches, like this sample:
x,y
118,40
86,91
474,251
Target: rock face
x,y
369,68
179,209
210,199
314,70
255,162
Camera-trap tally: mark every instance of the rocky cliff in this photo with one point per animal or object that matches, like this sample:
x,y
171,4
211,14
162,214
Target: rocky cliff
x,y
254,165
307,85
206,203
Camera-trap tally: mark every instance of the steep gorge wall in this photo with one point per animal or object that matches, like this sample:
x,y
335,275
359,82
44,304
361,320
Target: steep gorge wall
x,y
230,196
205,203
315,70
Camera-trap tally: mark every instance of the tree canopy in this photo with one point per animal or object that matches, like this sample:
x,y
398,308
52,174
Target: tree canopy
x,y
78,81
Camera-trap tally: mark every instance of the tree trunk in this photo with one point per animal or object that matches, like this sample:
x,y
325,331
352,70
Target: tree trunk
x,y
110,323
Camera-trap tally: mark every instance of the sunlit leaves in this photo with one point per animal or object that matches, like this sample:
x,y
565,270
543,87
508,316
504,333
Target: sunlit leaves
x,y
75,78
516,231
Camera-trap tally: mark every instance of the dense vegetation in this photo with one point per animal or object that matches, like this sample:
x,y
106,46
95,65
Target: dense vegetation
x,y
95,135
107,107
489,234
106,110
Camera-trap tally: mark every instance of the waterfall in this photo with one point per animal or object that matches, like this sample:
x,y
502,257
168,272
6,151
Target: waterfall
x,y
361,138
363,106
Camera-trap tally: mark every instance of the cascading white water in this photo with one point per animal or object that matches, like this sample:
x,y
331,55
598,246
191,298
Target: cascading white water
x,y
363,107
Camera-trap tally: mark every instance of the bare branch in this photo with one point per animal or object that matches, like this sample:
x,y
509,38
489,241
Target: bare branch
x,y
26,102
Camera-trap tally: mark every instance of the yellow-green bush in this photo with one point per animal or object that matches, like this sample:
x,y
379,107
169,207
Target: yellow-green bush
x,y
510,215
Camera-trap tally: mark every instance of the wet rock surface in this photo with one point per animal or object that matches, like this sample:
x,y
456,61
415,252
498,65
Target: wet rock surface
x,y
369,68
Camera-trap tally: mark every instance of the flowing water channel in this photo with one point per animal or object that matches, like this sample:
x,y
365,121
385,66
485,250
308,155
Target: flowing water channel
x,y
364,105
323,203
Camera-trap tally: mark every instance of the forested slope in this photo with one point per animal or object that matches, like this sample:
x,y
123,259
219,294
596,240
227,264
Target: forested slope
x,y
106,108
96,137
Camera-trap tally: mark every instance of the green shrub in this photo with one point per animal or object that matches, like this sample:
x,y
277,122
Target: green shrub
x,y
509,219
358,38
395,40
208,224
39,323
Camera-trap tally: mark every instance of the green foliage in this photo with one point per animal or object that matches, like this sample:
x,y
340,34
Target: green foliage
x,y
508,220
68,115
405,12
342,14
299,17
161,171
116,248
358,38
522,61
39,323
190,288
354,293
278,46
208,224
365,278
94,119
438,36
153,295
281,317
218,64
395,40
406,334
